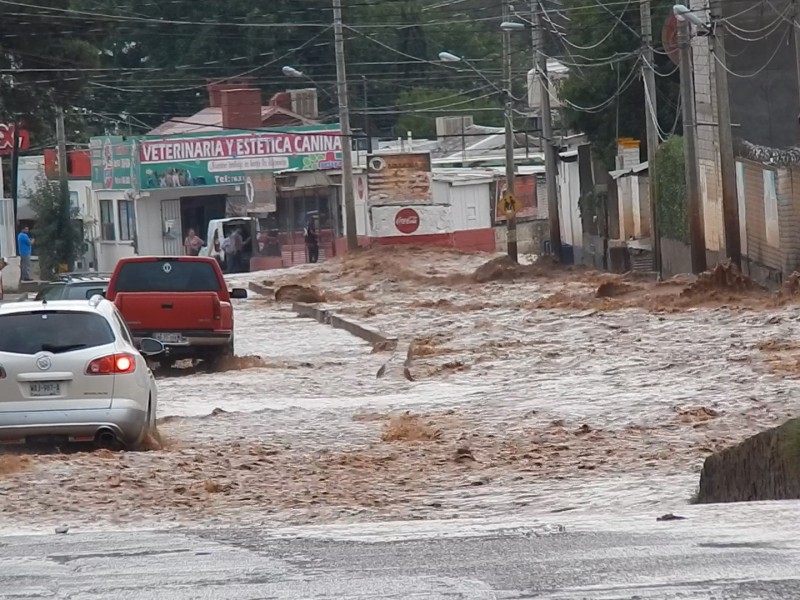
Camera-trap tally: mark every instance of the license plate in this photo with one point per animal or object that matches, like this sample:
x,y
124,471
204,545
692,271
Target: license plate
x,y
169,338
43,389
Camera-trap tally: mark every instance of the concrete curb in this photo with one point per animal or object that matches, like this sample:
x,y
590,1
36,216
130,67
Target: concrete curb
x,y
261,289
328,317
398,364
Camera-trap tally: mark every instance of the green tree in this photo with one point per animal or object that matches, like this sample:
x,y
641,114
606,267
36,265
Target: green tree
x,y
59,235
420,107
604,92
670,170
160,71
48,58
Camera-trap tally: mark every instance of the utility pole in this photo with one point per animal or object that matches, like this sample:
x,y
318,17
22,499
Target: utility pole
x,y
511,217
63,179
696,234
540,62
366,114
344,124
649,78
730,200
15,179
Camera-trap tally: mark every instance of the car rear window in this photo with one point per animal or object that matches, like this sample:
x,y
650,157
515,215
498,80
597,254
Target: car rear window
x,y
83,292
167,276
53,331
52,291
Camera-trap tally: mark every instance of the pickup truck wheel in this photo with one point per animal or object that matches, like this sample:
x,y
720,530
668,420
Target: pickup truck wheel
x,y
216,357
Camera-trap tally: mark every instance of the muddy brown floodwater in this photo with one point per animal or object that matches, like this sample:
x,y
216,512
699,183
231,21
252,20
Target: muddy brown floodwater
x,y
533,389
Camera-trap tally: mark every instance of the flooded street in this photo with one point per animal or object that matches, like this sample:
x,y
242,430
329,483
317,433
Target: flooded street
x,y
600,409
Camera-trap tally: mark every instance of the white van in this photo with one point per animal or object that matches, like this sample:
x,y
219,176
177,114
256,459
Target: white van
x,y
219,229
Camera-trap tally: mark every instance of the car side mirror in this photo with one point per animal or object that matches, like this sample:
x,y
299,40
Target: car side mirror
x,y
238,293
150,347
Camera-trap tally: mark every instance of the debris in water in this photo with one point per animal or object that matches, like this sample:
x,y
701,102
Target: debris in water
x,y
670,517
463,454
791,286
12,464
502,267
212,487
299,293
408,428
725,276
612,289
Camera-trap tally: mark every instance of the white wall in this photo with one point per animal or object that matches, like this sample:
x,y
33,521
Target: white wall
x,y
436,219
454,208
149,226
110,251
568,197
30,169
472,207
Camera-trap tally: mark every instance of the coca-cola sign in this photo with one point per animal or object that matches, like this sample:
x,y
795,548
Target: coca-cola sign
x,y
7,139
407,221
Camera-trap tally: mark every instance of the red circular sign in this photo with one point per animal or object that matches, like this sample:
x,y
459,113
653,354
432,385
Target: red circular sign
x,y
407,220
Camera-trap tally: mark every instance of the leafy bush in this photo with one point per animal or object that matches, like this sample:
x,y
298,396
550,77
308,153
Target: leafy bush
x,y
673,216
58,235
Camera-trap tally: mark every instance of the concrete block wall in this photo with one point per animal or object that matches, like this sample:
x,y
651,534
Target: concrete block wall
x,y
531,236
707,136
788,221
791,259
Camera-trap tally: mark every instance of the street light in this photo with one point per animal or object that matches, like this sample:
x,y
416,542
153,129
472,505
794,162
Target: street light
x,y
295,74
448,57
292,72
512,26
684,13
511,218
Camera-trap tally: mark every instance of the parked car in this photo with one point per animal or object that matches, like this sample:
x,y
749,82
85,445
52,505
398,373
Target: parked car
x,y
70,370
181,301
74,287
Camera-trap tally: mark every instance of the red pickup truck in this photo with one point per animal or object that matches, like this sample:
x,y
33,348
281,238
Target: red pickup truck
x,y
182,301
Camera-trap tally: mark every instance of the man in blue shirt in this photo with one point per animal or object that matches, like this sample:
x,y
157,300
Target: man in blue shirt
x,y
24,243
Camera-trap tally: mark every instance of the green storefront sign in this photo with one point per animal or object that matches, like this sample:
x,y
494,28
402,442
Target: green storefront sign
x,y
201,159
114,164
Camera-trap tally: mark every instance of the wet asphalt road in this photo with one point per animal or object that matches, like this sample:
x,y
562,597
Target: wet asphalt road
x,y
521,563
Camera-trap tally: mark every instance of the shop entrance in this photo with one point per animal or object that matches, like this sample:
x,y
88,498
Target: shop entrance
x,y
197,211
295,207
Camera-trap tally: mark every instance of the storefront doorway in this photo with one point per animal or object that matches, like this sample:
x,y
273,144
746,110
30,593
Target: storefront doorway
x,y
295,208
198,211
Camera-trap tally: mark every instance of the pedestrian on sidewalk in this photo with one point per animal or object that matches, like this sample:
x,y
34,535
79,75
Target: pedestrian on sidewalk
x,y
312,241
193,243
25,245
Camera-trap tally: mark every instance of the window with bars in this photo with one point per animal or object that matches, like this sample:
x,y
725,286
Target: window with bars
x,y
127,220
107,220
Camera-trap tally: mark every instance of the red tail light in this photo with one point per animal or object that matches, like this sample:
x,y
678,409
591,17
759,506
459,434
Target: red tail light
x,y
2,373
113,364
217,309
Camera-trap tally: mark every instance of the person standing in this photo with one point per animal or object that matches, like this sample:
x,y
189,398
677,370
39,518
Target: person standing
x,y
237,246
312,241
193,243
25,245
